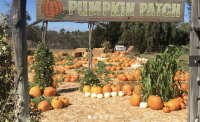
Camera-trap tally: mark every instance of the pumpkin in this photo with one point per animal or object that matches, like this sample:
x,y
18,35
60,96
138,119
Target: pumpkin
x,y
129,93
107,88
130,77
31,80
32,105
124,78
97,90
182,104
35,91
179,99
55,83
44,106
118,68
65,101
184,86
173,105
56,103
93,95
67,80
115,88
137,89
72,79
49,92
165,104
135,99
126,88
155,102
120,76
143,105
86,88
50,8
166,109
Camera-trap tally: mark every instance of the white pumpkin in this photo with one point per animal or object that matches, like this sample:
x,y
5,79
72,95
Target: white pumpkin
x,y
143,105
107,94
114,94
87,94
93,95
99,96
121,93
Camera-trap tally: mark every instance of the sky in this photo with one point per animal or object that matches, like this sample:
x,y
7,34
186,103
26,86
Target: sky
x,y
68,26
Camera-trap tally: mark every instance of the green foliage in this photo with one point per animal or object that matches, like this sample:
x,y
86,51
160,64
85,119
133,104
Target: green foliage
x,y
69,57
43,66
40,98
90,79
6,75
160,75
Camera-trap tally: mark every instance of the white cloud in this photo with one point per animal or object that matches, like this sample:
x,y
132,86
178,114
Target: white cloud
x,y
66,27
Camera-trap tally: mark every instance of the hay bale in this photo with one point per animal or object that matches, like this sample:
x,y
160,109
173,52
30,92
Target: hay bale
x,y
76,54
81,50
99,50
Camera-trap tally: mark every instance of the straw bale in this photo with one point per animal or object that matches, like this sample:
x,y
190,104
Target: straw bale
x,y
81,50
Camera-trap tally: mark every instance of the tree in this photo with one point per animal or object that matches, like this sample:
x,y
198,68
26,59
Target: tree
x,y
62,31
189,8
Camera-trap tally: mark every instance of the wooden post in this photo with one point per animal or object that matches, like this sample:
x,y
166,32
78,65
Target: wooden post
x,y
42,30
90,26
193,83
18,20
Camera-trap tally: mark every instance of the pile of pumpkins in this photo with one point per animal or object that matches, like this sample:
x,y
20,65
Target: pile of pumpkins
x,y
155,102
56,102
107,91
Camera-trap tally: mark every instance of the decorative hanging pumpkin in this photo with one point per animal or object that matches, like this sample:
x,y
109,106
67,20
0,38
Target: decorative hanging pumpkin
x,y
115,88
97,90
86,88
155,102
166,109
173,105
56,103
65,101
135,99
35,91
49,92
44,106
50,8
126,88
107,88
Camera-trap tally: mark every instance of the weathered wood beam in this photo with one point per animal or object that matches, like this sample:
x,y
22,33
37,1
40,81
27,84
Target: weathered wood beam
x,y
18,24
34,23
193,83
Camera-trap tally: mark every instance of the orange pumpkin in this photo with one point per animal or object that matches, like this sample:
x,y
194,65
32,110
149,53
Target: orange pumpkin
x,y
107,88
182,105
173,105
50,8
97,90
35,91
124,78
49,92
31,80
56,103
129,93
67,80
120,76
32,105
184,86
115,88
166,109
44,106
155,102
126,88
135,99
65,101
86,88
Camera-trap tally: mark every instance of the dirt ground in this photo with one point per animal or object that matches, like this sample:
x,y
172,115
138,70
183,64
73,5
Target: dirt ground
x,y
114,109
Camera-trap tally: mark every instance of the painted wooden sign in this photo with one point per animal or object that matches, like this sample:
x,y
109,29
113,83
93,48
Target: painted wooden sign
x,y
110,10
